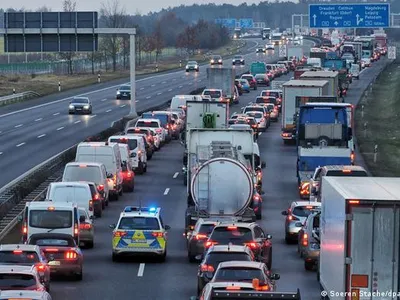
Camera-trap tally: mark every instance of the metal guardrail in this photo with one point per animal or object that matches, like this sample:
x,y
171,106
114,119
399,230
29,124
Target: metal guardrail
x,y
17,97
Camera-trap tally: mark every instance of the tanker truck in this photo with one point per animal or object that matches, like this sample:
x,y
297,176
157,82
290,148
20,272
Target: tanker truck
x,y
221,178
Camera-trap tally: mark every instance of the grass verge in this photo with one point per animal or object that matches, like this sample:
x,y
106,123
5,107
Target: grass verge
x,y
378,123
48,83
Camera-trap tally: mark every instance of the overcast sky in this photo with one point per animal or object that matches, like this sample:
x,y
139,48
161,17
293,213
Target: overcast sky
x,y
131,6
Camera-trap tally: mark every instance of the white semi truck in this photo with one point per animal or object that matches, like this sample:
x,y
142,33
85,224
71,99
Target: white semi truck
x,y
359,238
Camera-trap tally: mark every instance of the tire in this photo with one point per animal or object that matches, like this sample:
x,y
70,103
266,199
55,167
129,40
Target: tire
x,y
115,258
90,245
191,258
140,169
259,216
121,192
98,213
48,287
308,266
145,169
149,157
163,257
116,197
79,276
185,180
269,263
103,204
288,240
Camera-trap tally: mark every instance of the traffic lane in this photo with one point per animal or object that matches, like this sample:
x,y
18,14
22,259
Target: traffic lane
x,y
110,87
104,279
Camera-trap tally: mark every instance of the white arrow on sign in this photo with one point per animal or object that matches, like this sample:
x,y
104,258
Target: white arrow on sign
x,y
336,23
282,51
315,20
359,20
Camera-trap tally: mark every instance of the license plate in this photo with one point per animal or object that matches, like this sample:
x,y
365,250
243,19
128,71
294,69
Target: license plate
x,y
54,263
139,241
124,94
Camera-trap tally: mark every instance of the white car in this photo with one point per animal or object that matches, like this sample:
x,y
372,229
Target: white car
x,y
365,62
273,111
156,138
153,124
269,47
260,119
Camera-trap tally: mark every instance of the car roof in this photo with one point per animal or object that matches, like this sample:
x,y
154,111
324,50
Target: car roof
x,y
148,120
17,269
306,203
80,97
229,248
23,247
246,264
340,168
46,204
70,183
238,224
84,163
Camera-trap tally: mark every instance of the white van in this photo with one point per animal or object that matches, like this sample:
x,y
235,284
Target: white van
x,y
89,172
179,101
137,150
74,192
48,216
108,154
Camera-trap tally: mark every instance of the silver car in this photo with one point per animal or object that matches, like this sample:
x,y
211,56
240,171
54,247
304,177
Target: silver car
x,y
86,233
308,241
197,237
296,216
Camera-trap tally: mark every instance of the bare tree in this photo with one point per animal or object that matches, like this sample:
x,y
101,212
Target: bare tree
x,y
158,40
43,8
114,17
69,6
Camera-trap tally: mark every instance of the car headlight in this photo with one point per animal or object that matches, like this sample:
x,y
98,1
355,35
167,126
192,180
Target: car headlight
x,y
242,60
71,107
196,66
220,60
212,61
86,107
118,92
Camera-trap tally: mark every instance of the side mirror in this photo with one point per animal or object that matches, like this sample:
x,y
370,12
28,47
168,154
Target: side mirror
x,y
92,217
109,176
275,276
269,237
20,218
298,224
284,213
313,190
133,154
112,226
263,165
82,219
167,227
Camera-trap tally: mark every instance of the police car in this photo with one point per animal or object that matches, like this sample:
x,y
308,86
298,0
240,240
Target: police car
x,y
139,231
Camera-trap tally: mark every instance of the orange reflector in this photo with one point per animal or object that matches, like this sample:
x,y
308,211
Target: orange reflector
x,y
355,294
17,251
233,288
51,208
360,281
82,166
346,171
354,202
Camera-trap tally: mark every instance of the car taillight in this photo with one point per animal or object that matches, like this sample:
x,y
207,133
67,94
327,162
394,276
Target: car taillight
x,y
201,236
85,226
96,197
305,240
115,178
25,229
157,234
305,188
76,230
128,174
208,244
90,205
40,267
207,268
256,198
252,245
70,255
159,130
119,233
352,156
293,218
51,250
100,188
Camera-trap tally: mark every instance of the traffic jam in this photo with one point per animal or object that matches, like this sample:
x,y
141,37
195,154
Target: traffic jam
x,y
233,251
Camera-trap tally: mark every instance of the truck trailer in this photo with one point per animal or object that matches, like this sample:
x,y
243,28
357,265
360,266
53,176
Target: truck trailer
x,y
360,238
331,76
223,79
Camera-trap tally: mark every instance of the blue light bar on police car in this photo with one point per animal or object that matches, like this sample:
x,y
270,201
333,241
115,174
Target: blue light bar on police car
x,y
137,208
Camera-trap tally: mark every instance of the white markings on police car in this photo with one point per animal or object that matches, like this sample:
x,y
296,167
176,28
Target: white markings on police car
x,y
141,270
175,175
19,145
19,125
56,114
40,136
166,191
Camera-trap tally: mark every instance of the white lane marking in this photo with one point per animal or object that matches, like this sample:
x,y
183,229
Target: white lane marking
x,y
76,122
19,125
175,175
93,116
141,270
164,82
108,110
102,100
199,80
158,94
166,191
137,101
19,145
40,136
40,119
141,89
61,128
260,134
153,85
170,90
174,79
148,97
123,105
180,86
56,114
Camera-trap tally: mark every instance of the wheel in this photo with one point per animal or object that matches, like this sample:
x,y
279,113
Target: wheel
x,y
115,257
269,263
259,216
116,197
309,266
191,258
288,240
90,245
79,276
163,257
145,169
48,287
185,180
98,213
140,169
103,204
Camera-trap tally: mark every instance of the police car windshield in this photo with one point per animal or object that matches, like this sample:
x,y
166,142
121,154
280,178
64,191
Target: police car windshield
x,y
215,258
18,257
15,280
235,235
51,219
139,223
242,274
304,211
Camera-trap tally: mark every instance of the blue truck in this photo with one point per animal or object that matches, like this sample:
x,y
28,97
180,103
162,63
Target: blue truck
x,y
324,137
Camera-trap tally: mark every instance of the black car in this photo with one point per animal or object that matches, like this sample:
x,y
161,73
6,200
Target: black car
x,y
80,105
124,92
260,50
216,255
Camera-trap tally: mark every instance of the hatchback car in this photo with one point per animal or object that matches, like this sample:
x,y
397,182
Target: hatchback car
x,y
261,121
24,278
197,236
124,92
308,245
80,105
86,229
296,216
245,85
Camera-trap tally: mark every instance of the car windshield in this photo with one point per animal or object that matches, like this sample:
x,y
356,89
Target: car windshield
x,y
269,67
80,100
132,143
235,235
264,99
248,77
238,57
139,223
215,258
15,280
162,117
260,76
270,94
82,212
192,63
84,173
238,274
125,88
270,106
106,159
151,124
206,228
213,94
19,257
254,108
78,194
244,81
53,242
304,211
51,219
257,115
216,57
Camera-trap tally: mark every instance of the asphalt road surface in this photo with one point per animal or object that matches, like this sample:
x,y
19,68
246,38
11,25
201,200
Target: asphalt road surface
x,y
33,131
163,186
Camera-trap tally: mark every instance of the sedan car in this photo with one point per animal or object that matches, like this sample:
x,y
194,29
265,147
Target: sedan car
x,y
273,111
269,47
296,215
260,119
80,105
262,79
64,256
86,233
216,60
197,236
365,62
238,60
192,66
124,92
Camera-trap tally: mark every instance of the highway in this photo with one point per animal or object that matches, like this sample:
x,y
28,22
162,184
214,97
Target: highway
x,y
163,186
33,131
